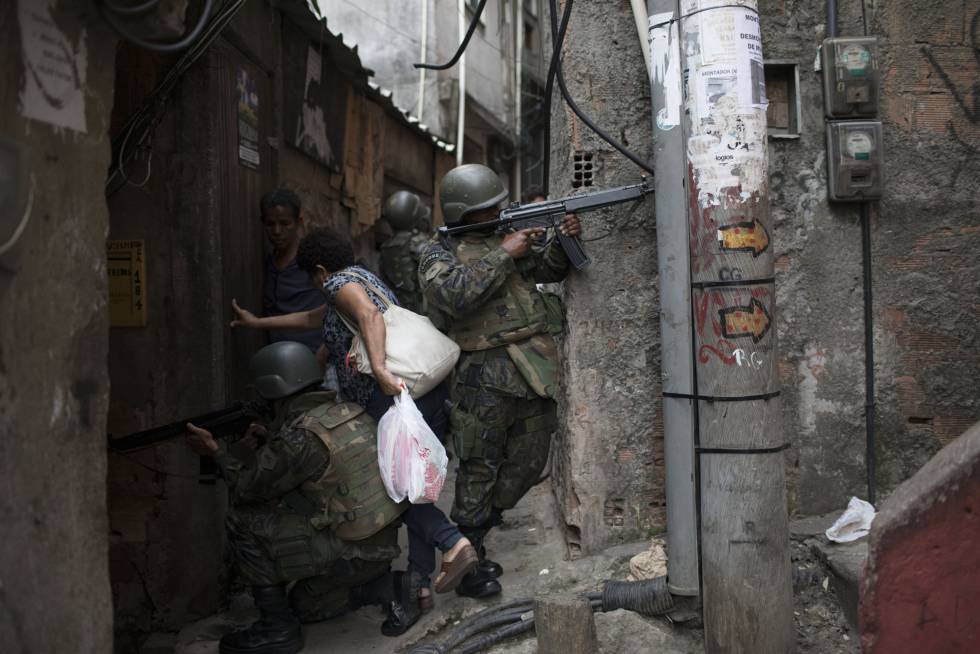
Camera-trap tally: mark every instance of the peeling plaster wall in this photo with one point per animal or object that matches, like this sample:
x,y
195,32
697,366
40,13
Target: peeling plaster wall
x,y
607,464
54,581
926,281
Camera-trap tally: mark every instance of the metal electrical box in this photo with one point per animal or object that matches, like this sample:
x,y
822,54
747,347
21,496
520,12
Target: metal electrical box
x,y
850,77
854,160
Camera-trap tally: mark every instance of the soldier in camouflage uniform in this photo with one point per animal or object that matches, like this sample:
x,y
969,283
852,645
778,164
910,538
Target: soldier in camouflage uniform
x,y
310,507
405,213
503,392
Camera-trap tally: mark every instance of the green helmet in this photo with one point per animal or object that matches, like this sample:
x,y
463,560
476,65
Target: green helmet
x,y
469,188
281,369
401,209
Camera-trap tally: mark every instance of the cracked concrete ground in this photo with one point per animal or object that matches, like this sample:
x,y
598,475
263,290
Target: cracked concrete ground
x,y
531,549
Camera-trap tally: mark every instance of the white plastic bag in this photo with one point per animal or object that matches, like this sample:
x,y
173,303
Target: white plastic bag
x,y
854,523
413,462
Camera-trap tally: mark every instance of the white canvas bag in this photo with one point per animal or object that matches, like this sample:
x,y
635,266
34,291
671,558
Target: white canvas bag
x,y
415,351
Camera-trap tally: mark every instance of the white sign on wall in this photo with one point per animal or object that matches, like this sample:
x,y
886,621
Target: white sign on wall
x,y
55,68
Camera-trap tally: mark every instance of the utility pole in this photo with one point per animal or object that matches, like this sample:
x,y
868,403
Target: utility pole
x,y
710,126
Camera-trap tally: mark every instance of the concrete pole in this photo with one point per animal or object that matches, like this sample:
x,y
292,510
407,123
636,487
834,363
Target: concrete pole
x,y
746,585
674,265
461,117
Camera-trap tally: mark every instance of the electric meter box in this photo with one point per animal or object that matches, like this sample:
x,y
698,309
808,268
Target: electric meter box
x,y
854,160
850,77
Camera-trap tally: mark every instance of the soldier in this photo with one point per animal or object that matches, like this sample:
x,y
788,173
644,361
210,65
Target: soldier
x,y
405,213
310,508
503,394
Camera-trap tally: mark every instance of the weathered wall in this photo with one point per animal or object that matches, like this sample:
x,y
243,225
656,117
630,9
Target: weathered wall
x,y
388,34
54,582
926,281
607,466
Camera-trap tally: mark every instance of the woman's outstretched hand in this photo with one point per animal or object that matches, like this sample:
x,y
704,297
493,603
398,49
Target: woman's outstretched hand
x,y
245,318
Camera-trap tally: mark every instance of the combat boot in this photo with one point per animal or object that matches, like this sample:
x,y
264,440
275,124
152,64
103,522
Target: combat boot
x,y
277,631
377,592
404,610
487,568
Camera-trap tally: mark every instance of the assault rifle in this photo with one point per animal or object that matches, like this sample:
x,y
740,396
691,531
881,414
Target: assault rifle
x,y
549,214
222,423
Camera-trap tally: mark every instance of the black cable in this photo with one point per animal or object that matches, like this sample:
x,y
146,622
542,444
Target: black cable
x,y
578,112
549,90
487,640
864,17
830,30
462,46
130,10
869,354
160,48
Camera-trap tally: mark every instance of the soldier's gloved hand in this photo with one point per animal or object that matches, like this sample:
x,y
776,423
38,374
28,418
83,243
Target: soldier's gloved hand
x,y
254,435
570,226
518,244
200,441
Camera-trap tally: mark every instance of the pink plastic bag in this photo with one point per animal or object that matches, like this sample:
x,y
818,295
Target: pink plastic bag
x,y
413,462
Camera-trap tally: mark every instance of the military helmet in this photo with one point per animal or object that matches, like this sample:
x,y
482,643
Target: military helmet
x,y
401,209
423,219
469,188
281,369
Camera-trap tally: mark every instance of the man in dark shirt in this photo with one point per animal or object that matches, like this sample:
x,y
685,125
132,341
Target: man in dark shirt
x,y
287,289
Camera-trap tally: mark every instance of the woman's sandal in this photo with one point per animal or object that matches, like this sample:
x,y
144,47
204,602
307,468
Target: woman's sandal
x,y
452,572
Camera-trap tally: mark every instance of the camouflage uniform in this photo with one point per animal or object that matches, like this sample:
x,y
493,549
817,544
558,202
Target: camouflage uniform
x,y
400,264
312,506
503,392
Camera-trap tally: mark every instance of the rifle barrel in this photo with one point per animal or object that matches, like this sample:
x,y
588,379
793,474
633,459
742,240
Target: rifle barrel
x,y
211,421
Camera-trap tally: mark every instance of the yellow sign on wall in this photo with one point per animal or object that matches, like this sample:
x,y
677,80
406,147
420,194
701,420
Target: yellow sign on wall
x,y
127,283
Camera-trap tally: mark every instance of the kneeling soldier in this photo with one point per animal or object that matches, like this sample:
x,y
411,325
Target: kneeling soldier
x,y
311,508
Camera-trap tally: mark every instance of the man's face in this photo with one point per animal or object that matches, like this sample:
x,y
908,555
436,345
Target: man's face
x,y
281,227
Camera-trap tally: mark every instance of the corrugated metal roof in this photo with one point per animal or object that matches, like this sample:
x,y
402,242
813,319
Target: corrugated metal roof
x,y
347,60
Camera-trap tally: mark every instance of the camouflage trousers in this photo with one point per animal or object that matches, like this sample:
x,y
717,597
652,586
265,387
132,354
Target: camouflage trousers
x,y
274,545
501,432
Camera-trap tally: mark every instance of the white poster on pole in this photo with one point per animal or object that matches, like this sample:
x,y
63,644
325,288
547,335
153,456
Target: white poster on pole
x,y
731,67
55,68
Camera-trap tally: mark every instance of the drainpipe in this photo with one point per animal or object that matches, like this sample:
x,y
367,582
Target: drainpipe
x,y
422,57
674,268
642,29
461,117
518,91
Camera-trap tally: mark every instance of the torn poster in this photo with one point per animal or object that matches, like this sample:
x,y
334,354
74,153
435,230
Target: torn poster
x,y
55,68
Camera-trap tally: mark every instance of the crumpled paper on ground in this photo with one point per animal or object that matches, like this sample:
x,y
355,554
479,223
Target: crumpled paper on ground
x,y
649,564
854,523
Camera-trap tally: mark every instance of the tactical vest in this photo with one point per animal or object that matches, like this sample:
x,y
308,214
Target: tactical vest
x,y
398,263
350,495
513,313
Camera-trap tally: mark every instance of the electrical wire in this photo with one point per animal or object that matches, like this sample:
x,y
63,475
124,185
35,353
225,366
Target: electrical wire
x,y
462,46
130,10
575,108
549,90
110,11
151,112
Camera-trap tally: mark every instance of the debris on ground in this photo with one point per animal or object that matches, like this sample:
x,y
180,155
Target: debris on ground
x,y
649,564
